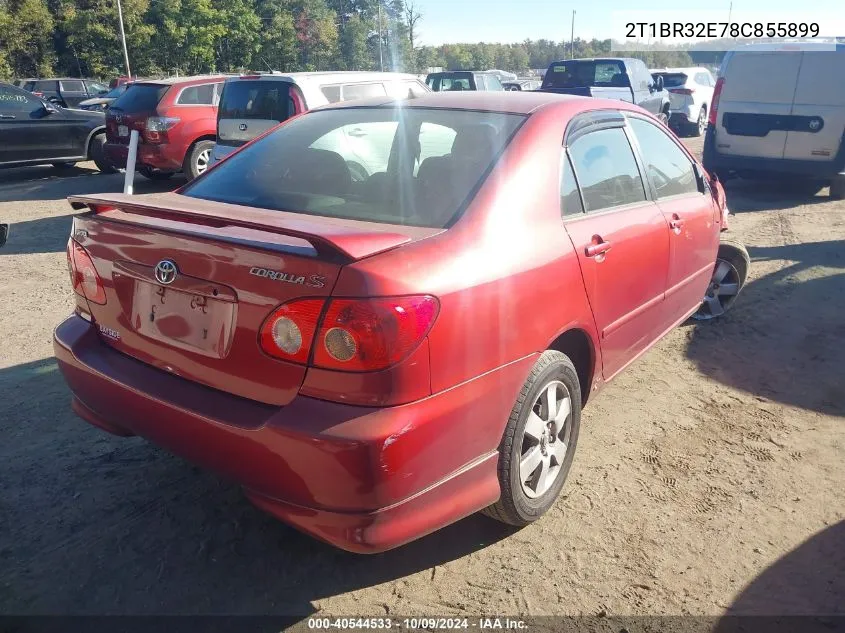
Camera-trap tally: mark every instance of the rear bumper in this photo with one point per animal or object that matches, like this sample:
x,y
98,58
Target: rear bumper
x,y
157,156
714,161
364,479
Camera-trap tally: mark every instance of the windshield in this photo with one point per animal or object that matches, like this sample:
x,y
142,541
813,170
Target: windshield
x,y
450,81
672,80
410,166
115,92
140,98
584,74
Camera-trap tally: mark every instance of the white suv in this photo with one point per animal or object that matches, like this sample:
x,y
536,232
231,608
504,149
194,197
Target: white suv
x,y
252,104
690,96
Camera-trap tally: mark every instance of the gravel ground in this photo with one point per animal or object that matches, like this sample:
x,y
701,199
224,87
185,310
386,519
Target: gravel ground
x,y
709,476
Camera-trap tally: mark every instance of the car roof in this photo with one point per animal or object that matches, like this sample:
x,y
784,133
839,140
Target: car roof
x,y
172,81
493,101
683,69
345,75
626,60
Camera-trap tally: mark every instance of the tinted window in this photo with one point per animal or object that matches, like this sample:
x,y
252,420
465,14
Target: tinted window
x,y
669,168
12,100
362,91
673,80
570,199
311,165
140,98
197,95
451,81
580,74
42,86
248,99
72,86
606,170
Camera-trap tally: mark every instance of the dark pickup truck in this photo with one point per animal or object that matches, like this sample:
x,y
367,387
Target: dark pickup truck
x,y
620,78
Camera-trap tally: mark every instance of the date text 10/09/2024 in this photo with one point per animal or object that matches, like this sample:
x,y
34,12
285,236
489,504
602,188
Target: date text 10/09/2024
x,y
709,30
418,623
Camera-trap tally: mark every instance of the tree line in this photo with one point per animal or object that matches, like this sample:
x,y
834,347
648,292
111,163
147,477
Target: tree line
x,y
81,38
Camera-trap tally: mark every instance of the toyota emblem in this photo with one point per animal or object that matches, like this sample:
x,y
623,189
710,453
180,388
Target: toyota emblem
x,y
242,127
166,272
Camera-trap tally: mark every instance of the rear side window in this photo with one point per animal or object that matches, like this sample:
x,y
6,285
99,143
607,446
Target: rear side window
x,y
140,98
72,86
405,89
669,168
197,95
606,169
41,86
570,199
248,99
362,91
331,93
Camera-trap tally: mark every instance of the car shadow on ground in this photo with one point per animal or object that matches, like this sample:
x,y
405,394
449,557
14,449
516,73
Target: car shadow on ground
x,y
50,183
44,235
808,581
751,195
784,340
97,524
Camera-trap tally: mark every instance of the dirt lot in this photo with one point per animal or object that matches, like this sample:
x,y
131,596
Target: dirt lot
x,y
709,477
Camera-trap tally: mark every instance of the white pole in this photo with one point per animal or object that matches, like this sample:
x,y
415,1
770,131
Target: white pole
x,y
123,39
130,163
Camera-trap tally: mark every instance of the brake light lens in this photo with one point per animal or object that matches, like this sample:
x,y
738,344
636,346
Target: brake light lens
x,y
373,334
714,104
156,127
681,91
289,330
84,278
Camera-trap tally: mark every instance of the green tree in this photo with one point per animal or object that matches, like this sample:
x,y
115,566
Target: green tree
x,y
27,38
186,37
354,49
241,41
277,45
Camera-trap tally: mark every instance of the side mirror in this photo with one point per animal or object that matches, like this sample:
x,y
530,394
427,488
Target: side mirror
x,y
50,108
659,83
4,233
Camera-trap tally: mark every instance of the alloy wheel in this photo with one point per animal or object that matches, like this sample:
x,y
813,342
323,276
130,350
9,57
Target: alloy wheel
x,y
702,121
723,289
545,439
203,160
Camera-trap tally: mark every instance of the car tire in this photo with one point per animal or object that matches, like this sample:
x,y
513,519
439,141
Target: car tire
x,y
520,503
97,153
198,159
732,266
698,128
837,188
154,174
64,164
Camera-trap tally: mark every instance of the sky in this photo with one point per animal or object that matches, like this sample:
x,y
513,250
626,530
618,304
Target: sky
x,y
450,21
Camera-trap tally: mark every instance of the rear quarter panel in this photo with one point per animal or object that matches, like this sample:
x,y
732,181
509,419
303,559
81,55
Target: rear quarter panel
x,y
196,121
506,273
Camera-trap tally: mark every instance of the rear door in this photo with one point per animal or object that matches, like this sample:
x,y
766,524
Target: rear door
x,y
756,103
622,243
818,111
689,213
250,107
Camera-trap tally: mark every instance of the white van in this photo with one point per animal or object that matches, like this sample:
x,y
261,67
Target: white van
x,y
779,111
252,104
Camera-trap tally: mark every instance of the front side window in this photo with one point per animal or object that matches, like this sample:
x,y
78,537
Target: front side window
x,y
72,86
197,95
494,83
17,101
606,169
409,166
97,88
362,91
668,167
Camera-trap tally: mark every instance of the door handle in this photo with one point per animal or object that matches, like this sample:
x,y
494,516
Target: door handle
x,y
676,223
597,247
7,116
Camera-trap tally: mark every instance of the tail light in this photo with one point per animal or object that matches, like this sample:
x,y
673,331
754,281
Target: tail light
x,y
84,278
681,91
714,104
156,127
289,330
353,335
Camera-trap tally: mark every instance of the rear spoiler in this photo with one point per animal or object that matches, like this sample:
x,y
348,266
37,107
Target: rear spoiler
x,y
332,238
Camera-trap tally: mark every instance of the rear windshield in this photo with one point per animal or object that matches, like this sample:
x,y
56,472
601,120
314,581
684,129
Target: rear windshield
x,y
250,99
672,80
442,82
409,166
584,74
140,98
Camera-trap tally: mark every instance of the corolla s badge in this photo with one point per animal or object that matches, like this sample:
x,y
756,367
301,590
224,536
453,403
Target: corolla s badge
x,y
242,127
165,272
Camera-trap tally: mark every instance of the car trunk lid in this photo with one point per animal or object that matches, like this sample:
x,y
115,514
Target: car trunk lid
x,y
189,282
131,110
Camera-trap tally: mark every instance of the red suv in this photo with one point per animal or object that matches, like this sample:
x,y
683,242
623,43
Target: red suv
x,y
374,356
176,120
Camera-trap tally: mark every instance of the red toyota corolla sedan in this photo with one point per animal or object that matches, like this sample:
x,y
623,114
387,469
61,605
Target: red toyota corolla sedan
x,y
374,353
